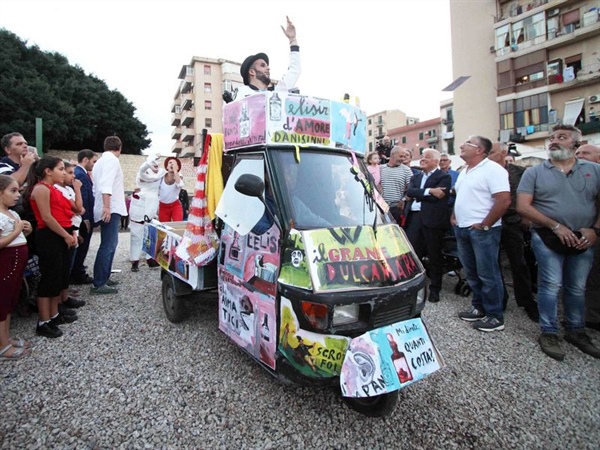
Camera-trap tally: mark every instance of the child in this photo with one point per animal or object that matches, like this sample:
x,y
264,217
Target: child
x,y
53,238
71,190
13,258
374,168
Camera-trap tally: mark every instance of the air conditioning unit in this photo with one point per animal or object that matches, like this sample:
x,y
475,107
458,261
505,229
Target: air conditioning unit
x,y
594,98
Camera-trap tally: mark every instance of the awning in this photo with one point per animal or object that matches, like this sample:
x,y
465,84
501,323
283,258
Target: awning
x,y
572,111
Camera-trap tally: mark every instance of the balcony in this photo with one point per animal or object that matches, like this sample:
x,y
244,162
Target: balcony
x,y
188,135
174,106
432,139
176,119
188,150
187,117
187,85
177,147
176,133
187,102
589,127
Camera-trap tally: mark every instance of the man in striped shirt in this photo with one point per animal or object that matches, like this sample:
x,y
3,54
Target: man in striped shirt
x,y
394,181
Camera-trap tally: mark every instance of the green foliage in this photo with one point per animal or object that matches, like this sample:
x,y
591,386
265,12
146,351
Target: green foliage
x,y
78,110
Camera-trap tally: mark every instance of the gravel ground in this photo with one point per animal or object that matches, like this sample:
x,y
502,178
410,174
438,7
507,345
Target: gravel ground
x,y
122,376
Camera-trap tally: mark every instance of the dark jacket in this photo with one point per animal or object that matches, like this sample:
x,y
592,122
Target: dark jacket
x,y
87,193
435,213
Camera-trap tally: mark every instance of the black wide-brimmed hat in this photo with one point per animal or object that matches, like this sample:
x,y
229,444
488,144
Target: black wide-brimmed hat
x,y
248,63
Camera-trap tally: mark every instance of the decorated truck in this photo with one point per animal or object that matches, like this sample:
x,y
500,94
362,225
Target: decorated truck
x,y
315,280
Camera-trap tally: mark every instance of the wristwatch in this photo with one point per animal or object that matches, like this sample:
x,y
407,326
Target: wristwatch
x,y
485,228
597,230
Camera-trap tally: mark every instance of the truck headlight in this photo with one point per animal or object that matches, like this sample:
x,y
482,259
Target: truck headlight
x,y
345,314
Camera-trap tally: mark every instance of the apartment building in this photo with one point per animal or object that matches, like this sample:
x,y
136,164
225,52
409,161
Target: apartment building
x,y
528,65
379,124
198,101
418,136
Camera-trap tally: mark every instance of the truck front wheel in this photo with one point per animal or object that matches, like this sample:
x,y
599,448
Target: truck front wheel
x,y
378,406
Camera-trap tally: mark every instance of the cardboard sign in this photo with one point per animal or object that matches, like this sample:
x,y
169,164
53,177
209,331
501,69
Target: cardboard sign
x,y
389,358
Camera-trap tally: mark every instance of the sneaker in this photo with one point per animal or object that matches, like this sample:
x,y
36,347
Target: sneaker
x,y
62,320
135,266
489,324
48,331
472,315
550,345
63,310
103,290
583,342
81,279
112,283
71,302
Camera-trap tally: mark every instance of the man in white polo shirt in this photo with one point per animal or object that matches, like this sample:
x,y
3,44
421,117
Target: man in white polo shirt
x,y
482,198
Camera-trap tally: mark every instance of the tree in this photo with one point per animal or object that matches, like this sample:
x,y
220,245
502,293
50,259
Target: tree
x,y
78,110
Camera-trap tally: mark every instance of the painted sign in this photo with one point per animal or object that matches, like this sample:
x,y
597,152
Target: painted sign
x,y
389,358
294,266
161,245
345,258
290,119
247,317
313,354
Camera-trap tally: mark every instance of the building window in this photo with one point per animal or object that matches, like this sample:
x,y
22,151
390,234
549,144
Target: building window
x,y
570,21
189,71
370,121
379,120
529,114
432,133
370,133
572,66
208,122
370,146
207,104
502,37
404,139
207,69
207,88
421,136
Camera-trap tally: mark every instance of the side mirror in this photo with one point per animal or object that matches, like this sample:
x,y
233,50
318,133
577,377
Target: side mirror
x,y
250,185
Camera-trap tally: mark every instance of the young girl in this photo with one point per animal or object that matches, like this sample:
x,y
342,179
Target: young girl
x,y
53,238
13,258
71,190
374,168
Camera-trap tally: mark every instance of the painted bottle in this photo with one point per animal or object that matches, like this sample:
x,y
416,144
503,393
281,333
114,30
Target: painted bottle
x,y
400,362
275,107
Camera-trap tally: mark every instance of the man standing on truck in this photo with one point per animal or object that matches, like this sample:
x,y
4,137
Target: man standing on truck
x,y
256,73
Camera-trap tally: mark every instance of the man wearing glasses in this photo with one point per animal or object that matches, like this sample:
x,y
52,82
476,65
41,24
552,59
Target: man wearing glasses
x,y
560,197
482,198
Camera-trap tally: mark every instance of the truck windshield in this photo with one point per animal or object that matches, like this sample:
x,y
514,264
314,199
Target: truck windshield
x,y
322,190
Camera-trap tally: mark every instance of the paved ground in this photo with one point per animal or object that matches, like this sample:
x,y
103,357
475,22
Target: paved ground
x,y
125,377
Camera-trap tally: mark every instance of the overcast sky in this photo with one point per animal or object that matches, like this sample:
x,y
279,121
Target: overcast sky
x,y
391,54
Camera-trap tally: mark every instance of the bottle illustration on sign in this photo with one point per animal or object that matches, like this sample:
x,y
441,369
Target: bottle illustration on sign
x,y
399,361
244,121
275,107
234,250
264,329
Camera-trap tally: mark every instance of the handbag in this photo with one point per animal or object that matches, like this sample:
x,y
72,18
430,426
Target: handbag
x,y
553,242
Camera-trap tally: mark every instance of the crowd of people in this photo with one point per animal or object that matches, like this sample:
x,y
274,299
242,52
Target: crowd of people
x,y
48,211
492,204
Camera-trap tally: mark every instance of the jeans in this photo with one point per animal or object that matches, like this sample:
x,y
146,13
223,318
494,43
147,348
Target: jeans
x,y
556,270
592,289
81,252
109,238
478,254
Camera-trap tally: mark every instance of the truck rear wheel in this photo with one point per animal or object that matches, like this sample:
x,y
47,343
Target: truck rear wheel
x,y
173,304
378,406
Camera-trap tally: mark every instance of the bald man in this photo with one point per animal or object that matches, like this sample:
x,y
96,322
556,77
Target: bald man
x,y
591,153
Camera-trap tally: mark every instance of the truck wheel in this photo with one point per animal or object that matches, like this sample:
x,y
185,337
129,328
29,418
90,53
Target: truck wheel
x,y
172,303
378,406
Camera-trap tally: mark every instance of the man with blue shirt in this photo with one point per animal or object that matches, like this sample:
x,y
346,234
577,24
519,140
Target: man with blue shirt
x,y
560,196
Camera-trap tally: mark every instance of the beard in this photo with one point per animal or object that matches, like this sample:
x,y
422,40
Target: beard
x,y
263,78
562,153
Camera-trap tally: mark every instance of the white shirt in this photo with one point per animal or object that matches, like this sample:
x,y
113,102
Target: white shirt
x,y
416,205
169,193
7,226
108,179
474,189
